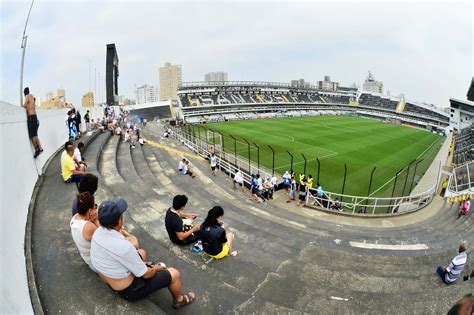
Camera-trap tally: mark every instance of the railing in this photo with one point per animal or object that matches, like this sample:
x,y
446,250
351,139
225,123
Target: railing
x,y
369,205
348,204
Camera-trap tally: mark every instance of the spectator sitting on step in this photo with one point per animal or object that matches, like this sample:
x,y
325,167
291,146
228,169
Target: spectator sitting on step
x,y
123,267
216,242
451,272
181,164
69,171
83,225
78,156
185,170
89,183
129,138
464,208
177,231
141,140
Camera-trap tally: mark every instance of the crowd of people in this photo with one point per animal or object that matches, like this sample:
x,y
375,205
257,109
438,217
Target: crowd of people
x,y
116,256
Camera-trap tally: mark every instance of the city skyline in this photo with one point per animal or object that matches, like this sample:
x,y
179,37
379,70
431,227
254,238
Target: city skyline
x,y
422,50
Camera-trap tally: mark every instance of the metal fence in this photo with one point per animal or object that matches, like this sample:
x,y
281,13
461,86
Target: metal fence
x,y
395,197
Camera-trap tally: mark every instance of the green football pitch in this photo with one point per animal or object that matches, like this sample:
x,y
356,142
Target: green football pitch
x,y
359,143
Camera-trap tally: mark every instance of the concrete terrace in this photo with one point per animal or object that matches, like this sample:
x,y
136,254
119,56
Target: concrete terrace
x,y
291,260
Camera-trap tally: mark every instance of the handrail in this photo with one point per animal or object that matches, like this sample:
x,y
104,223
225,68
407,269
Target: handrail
x,y
350,204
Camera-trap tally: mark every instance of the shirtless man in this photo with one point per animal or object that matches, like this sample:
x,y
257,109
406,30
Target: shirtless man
x,y
32,121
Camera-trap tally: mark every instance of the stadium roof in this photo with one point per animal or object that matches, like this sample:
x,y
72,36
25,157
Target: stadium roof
x,y
470,92
461,102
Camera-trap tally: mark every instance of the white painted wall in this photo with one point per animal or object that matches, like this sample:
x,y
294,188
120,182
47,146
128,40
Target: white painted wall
x,y
18,175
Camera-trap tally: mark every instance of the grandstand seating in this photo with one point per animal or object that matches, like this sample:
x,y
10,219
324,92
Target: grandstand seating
x,y
260,97
464,146
290,260
377,101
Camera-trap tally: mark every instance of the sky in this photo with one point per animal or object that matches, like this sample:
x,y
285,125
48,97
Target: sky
x,y
421,49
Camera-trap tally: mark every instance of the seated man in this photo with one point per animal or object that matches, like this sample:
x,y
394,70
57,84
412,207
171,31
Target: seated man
x,y
175,226
185,170
119,264
69,171
451,272
78,156
180,164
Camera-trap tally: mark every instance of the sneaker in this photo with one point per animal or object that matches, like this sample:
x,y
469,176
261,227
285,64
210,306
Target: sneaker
x,y
37,153
465,278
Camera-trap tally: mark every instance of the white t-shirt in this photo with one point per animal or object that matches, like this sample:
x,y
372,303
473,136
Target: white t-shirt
x,y
180,165
115,257
213,161
127,137
238,177
184,170
273,180
77,154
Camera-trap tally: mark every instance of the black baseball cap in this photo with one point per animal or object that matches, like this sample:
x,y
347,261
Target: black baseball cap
x,y
110,211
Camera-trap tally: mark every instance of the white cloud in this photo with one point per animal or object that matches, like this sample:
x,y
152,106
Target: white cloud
x,y
423,50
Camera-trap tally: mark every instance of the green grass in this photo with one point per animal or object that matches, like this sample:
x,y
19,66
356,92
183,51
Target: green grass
x,y
360,143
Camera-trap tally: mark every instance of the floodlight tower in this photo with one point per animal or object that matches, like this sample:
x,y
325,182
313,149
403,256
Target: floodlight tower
x,y
23,46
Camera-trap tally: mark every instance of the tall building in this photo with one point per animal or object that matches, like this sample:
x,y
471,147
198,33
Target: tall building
x,y
170,80
300,83
372,85
327,84
215,77
146,94
57,101
88,100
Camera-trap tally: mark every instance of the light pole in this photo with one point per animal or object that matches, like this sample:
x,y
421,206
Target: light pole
x,y
23,46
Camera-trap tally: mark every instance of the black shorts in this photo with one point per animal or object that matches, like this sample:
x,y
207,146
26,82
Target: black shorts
x,y
302,197
141,288
33,125
213,168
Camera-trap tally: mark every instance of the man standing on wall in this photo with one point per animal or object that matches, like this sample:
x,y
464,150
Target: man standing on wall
x,y
32,121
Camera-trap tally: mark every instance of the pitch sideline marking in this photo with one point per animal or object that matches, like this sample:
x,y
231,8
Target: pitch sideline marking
x,y
388,246
402,169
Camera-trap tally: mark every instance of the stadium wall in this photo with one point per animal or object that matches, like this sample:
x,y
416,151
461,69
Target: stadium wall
x,y
19,174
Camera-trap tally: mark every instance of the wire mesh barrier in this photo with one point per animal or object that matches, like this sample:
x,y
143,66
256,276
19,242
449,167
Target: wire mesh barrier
x,y
392,196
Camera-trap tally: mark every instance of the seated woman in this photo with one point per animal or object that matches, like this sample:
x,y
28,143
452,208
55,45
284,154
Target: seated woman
x,y
216,243
83,225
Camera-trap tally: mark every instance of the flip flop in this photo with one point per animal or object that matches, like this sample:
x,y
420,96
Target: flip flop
x,y
188,298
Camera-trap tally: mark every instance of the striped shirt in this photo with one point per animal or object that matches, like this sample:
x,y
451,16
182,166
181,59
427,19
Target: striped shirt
x,y
455,267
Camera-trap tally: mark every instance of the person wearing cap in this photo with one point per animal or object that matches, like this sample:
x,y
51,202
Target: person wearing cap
x,y
120,265
451,272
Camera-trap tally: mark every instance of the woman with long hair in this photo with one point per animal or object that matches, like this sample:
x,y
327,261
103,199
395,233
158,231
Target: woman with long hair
x,y
83,225
216,243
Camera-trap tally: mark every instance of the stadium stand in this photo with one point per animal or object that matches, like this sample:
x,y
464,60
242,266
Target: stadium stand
x,y
316,270
202,102
463,146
